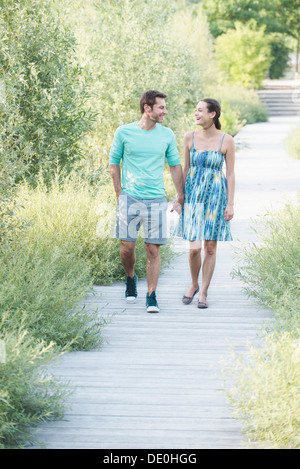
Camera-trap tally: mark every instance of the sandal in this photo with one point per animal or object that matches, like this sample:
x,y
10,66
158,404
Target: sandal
x,y
188,299
202,304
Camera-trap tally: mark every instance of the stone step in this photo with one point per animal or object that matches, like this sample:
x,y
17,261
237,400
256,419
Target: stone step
x,y
281,99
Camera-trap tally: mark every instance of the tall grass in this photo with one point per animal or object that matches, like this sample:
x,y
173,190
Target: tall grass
x,y
265,393
270,267
265,396
293,143
29,395
78,217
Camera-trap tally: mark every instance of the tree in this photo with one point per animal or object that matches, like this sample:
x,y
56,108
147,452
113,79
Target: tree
x,y
244,54
278,16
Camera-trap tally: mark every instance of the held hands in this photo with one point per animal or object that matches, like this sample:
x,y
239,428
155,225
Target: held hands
x,y
229,212
178,204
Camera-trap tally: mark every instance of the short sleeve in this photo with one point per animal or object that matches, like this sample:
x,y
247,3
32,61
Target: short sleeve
x,y
172,152
117,148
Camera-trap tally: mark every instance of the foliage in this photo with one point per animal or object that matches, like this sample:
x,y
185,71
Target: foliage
x,y
78,219
131,46
278,16
245,103
293,141
42,284
265,389
43,106
265,394
243,54
270,268
280,57
28,394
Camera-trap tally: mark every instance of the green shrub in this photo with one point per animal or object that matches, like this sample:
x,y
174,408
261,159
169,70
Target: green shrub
x,y
171,51
244,54
28,394
45,274
48,283
265,392
246,103
270,268
264,383
280,57
43,112
78,218
293,142
231,121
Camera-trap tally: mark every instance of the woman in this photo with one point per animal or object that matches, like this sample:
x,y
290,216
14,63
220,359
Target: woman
x,y
209,196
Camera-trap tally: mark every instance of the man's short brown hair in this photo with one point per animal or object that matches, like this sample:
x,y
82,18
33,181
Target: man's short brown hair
x,y
149,97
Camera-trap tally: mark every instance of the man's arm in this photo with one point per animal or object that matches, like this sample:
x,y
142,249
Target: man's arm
x,y
177,177
115,157
115,173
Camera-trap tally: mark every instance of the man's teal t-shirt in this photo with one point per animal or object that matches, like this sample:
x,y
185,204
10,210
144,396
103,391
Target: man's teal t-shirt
x,y
143,154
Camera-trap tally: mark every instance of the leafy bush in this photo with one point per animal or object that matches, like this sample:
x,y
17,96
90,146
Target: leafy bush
x,y
265,394
28,394
246,103
280,57
77,218
265,389
270,268
43,112
129,47
244,54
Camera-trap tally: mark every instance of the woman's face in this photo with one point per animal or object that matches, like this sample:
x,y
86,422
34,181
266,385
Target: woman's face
x,y
202,115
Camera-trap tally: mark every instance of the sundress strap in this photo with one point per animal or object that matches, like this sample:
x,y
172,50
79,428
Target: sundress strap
x,y
221,143
193,140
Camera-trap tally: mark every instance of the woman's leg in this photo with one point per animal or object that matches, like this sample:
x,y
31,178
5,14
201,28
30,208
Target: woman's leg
x,y
195,266
209,262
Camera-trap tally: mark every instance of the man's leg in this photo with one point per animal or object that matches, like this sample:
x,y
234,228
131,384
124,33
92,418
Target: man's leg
x,y
153,270
127,254
153,265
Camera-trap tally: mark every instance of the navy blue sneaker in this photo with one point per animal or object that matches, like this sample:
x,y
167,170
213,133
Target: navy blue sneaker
x,y
131,289
151,303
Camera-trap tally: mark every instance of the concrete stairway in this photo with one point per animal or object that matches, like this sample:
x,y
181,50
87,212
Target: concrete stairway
x,y
282,98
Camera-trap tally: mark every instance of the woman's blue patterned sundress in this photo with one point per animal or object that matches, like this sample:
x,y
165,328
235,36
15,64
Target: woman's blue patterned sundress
x,y
202,217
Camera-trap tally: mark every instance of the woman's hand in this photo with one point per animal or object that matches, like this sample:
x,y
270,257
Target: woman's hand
x,y
229,212
178,204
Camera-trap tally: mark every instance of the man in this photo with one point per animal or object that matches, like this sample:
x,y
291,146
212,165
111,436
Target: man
x,y
143,147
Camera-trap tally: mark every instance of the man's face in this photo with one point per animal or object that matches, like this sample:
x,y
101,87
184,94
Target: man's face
x,y
159,110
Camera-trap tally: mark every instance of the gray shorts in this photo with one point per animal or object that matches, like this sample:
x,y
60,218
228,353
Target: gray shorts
x,y
132,213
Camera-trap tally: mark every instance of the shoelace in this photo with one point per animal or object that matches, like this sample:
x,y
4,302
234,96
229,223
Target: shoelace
x,y
131,287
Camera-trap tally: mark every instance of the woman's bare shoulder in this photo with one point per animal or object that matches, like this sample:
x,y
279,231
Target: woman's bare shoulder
x,y
228,144
188,136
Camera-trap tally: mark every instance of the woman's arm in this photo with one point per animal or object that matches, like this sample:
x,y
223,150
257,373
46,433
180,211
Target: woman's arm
x,y
230,176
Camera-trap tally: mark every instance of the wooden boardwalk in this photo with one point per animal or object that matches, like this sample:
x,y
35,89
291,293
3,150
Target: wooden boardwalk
x,y
157,383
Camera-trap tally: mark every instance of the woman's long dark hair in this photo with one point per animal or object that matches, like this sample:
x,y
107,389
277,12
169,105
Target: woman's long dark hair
x,y
214,106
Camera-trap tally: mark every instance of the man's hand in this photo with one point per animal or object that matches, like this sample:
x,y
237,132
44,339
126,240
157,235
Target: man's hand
x,y
178,204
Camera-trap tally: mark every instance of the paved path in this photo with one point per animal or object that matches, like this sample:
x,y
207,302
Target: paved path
x,y
157,382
